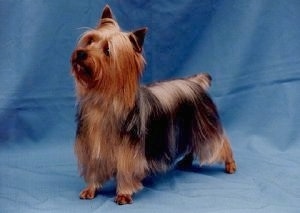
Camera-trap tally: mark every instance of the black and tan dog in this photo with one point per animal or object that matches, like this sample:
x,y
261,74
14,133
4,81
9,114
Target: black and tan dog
x,y
127,131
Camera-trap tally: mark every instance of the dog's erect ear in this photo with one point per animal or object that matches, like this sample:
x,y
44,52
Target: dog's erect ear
x,y
107,13
137,39
107,18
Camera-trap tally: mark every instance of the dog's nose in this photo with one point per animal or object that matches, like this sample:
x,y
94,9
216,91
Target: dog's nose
x,y
81,55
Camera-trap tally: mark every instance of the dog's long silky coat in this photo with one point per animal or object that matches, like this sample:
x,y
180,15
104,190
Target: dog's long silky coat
x,y
126,131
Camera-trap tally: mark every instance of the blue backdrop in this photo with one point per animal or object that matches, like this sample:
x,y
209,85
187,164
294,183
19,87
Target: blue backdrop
x,y
251,49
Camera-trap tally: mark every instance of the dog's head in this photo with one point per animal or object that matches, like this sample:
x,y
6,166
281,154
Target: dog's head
x,y
107,59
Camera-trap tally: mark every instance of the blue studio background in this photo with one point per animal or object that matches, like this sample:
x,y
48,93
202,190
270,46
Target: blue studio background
x,y
251,49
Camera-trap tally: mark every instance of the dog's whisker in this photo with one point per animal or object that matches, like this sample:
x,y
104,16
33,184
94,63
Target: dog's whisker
x,y
85,28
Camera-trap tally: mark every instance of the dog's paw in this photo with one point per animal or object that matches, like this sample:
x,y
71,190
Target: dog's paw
x,y
123,199
230,167
88,193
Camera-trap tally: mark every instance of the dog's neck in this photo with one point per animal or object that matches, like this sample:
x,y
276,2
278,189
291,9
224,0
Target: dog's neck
x,y
120,101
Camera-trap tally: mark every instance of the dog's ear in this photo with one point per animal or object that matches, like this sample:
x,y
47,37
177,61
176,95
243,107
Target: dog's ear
x,y
107,18
107,13
137,39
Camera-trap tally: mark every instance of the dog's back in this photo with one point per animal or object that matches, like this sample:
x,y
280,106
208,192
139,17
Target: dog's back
x,y
174,118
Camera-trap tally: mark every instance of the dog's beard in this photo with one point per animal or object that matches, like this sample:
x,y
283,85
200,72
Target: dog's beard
x,y
85,75
83,70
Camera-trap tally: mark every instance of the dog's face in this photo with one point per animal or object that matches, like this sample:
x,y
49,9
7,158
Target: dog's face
x,y
106,56
88,60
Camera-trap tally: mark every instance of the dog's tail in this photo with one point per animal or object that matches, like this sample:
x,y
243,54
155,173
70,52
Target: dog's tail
x,y
204,79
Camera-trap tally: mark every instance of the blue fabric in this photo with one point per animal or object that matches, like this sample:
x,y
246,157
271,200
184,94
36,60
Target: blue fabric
x,y
251,49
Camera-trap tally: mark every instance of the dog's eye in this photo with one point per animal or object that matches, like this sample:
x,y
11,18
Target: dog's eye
x,y
106,51
90,41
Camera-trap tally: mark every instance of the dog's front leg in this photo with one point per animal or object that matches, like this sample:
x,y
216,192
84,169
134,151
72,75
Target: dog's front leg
x,y
127,184
89,192
94,180
130,173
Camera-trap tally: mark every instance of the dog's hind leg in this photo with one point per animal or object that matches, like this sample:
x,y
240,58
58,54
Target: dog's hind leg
x,y
186,161
226,156
217,150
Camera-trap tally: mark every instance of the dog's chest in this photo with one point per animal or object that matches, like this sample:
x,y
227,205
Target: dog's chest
x,y
100,122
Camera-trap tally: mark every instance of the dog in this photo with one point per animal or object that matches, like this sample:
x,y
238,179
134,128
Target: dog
x,y
126,130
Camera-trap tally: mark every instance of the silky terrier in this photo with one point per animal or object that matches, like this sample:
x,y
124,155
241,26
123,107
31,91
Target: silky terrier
x,y
127,131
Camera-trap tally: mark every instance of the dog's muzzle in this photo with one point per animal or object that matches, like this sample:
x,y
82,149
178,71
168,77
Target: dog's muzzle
x,y
80,55
79,65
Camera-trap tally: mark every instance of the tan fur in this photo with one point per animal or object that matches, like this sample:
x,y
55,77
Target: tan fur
x,y
120,67
203,79
107,64
104,100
